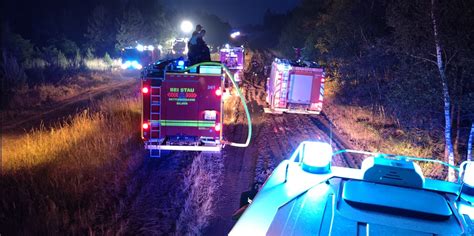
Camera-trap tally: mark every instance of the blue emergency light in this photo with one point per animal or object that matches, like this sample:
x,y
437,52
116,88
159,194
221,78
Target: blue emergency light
x,y
180,65
316,157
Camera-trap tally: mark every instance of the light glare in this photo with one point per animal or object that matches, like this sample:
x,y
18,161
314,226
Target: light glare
x,y
219,92
136,65
317,155
218,127
235,34
186,26
469,174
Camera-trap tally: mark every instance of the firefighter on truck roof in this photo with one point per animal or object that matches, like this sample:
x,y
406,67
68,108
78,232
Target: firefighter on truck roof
x,y
198,51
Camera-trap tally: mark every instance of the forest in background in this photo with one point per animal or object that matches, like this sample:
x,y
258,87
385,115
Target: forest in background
x,y
43,42
381,54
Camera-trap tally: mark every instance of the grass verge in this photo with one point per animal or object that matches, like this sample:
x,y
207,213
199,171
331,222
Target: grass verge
x,y
64,180
201,183
376,132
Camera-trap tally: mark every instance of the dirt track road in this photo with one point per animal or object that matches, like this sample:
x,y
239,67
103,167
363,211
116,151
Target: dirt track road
x,y
274,138
56,112
190,193
154,197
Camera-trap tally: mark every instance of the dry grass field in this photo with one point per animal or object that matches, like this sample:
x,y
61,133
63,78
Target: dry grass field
x,y
67,178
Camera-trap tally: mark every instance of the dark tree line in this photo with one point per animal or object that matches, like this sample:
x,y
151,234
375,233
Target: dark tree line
x,y
103,25
44,41
100,25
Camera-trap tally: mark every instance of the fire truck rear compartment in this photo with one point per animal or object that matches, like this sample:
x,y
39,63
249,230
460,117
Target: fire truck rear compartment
x,y
183,111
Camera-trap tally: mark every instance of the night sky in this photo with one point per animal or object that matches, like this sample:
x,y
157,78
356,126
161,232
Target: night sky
x,y
236,12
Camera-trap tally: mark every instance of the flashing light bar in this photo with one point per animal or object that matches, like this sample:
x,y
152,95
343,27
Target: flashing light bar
x,y
235,34
131,64
136,65
126,65
142,48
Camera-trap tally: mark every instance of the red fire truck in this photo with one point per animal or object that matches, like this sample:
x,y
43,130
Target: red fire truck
x,y
182,110
233,58
295,87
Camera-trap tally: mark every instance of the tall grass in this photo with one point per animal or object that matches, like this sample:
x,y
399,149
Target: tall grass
x,y
201,182
40,96
377,132
64,180
395,123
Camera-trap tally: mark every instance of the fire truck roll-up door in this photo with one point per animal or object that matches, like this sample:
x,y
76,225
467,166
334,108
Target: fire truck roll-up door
x,y
300,89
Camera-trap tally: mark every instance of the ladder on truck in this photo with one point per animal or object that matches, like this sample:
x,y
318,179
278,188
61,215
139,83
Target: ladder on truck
x,y
155,120
282,84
